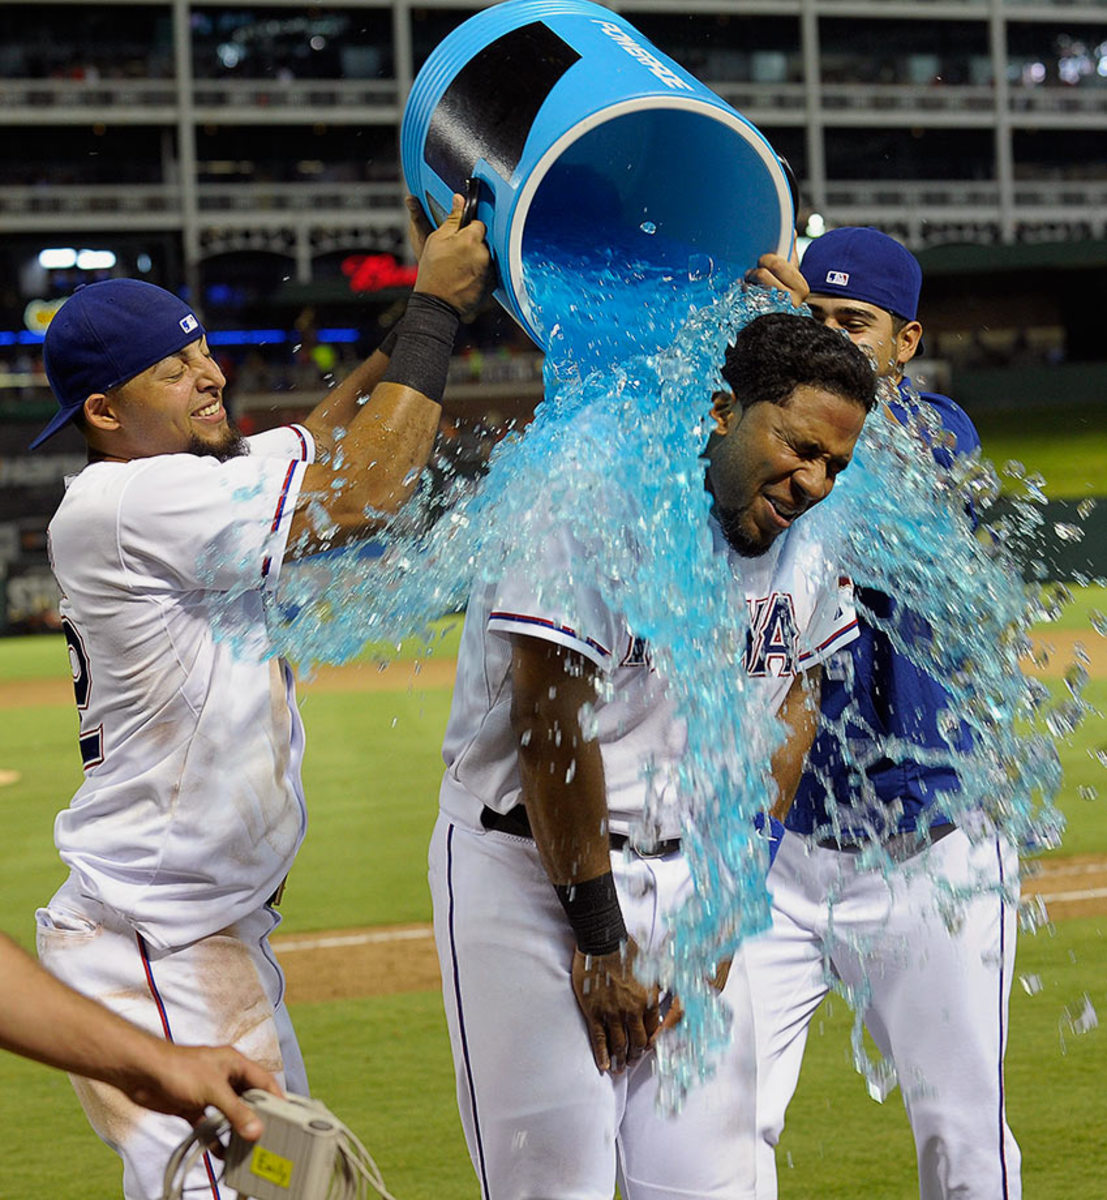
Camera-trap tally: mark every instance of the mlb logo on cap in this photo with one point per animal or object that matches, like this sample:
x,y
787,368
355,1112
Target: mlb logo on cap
x,y
838,278
189,323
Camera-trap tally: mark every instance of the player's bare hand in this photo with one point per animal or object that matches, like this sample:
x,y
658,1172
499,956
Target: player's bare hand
x,y
455,264
621,1015
184,1080
776,271
674,1013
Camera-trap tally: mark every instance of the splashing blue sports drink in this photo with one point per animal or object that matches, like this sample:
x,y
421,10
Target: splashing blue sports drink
x,y
614,455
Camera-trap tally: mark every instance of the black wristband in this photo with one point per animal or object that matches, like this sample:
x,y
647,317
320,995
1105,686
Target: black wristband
x,y
389,344
420,358
594,913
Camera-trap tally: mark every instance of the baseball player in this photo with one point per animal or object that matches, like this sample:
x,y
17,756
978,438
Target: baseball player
x,y
934,999
167,548
541,899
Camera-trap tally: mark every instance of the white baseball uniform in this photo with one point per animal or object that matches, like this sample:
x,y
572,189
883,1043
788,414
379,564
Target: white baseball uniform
x,y
539,1118
192,809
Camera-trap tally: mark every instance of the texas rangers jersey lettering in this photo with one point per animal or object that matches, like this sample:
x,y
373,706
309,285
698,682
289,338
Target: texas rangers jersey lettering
x,y
772,643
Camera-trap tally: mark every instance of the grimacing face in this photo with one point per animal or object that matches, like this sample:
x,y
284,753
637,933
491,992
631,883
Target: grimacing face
x,y
769,463
871,328
173,407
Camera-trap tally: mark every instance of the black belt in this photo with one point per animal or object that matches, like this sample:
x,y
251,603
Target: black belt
x,y
515,821
898,847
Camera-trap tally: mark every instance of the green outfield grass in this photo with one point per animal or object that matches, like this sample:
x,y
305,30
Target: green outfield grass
x,y
382,1063
1067,446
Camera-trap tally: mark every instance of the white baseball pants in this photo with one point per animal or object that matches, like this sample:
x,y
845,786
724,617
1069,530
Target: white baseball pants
x,y
223,989
539,1118
934,1001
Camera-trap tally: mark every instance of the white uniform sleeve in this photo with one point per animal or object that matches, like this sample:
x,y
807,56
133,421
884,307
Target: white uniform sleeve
x,y
286,441
833,622
193,522
556,599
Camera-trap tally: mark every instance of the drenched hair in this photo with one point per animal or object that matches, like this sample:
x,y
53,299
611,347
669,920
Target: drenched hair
x,y
778,352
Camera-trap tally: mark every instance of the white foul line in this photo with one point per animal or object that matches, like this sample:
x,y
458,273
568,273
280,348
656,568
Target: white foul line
x,y
1066,897
370,937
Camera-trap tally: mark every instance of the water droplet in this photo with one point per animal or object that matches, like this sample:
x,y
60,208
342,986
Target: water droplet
x,y
1087,792
1068,533
1076,678
1080,1018
700,267
1084,508
648,227
1031,984
1033,914
1099,621
880,1080
1014,469
1064,719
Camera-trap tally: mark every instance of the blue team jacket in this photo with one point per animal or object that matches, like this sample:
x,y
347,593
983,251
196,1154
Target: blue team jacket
x,y
890,698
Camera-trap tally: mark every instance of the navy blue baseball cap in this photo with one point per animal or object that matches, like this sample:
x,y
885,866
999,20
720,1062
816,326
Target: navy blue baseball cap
x,y
861,263
107,333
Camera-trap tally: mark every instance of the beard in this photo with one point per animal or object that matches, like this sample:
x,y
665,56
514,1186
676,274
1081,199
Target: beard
x,y
734,532
233,445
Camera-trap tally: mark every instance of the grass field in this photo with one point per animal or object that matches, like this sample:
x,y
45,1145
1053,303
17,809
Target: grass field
x,y
383,1063
1066,445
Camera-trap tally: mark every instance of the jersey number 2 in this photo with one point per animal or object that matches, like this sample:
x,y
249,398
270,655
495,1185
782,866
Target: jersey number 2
x,y
92,741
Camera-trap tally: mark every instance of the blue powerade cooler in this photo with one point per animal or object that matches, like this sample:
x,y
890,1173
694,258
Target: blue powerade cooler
x,y
564,125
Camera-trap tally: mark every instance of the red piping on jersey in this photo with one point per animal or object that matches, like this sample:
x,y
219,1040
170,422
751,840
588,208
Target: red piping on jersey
x,y
303,442
145,956
280,506
522,620
153,988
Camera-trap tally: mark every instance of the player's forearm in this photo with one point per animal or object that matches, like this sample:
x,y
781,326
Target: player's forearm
x,y
568,819
375,467
561,770
43,1019
340,407
800,716
373,475
567,808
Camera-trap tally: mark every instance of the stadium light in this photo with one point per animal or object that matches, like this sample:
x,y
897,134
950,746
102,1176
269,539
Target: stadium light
x,y
95,260
59,258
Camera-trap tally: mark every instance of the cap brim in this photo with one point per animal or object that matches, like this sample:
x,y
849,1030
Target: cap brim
x,y
60,419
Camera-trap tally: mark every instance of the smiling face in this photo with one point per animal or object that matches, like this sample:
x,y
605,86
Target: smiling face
x,y
173,407
871,328
769,463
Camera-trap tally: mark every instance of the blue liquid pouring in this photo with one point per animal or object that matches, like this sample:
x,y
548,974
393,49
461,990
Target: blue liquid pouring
x,y
614,455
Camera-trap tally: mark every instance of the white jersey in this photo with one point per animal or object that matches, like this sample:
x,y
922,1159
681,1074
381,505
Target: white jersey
x,y
192,808
800,612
